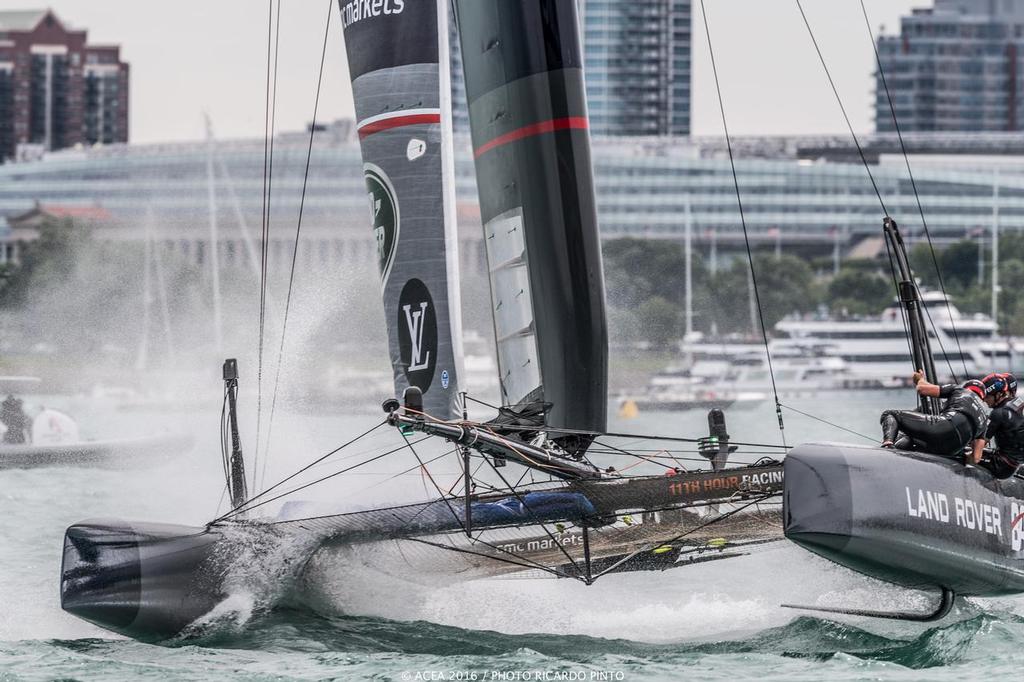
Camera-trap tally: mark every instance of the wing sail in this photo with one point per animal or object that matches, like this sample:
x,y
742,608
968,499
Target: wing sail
x,y
402,96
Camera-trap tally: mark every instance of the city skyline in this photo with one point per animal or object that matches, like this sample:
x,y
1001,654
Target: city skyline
x,y
770,77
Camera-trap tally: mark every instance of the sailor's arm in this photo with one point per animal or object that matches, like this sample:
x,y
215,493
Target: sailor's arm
x,y
924,387
977,451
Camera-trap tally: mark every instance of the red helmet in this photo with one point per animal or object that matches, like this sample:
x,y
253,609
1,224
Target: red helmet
x,y
994,383
976,386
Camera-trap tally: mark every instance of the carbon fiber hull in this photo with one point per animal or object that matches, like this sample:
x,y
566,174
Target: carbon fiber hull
x,y
152,581
908,518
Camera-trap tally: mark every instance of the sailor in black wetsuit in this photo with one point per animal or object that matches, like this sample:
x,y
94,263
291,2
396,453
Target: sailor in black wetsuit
x,y
1005,426
960,424
14,419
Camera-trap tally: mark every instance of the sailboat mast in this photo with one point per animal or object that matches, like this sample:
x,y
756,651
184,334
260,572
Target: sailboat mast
x,y
214,261
910,299
142,359
995,251
688,246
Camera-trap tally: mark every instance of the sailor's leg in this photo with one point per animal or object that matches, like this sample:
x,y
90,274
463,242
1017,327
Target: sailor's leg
x,y
890,426
936,433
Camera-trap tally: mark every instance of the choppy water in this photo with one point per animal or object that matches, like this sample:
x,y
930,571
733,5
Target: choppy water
x,y
714,621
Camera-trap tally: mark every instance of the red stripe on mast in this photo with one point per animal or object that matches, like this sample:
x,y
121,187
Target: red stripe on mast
x,y
570,122
397,122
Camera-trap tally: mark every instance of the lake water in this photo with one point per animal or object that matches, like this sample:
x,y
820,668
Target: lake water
x,y
712,621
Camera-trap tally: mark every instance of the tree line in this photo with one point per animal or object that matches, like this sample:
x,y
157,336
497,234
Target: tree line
x,y
645,283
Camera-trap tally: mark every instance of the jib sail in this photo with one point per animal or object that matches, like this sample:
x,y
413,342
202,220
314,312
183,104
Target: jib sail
x,y
528,116
402,94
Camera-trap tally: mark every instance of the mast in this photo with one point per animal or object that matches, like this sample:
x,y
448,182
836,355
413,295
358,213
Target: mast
x,y
688,242
218,334
398,60
142,359
910,300
995,251
531,144
236,463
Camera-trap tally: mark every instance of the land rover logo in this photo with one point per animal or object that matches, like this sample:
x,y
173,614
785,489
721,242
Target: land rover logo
x,y
417,334
385,217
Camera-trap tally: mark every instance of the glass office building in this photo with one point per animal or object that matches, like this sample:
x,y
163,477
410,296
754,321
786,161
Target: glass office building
x,y
637,62
956,67
801,194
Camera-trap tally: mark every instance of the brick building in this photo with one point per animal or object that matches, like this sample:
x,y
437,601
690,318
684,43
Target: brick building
x,y
57,91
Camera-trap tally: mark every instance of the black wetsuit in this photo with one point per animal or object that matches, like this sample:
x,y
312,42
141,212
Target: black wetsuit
x,y
961,422
14,418
1006,426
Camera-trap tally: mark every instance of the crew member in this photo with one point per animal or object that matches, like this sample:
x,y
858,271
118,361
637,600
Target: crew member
x,y
960,424
1011,384
1005,426
13,416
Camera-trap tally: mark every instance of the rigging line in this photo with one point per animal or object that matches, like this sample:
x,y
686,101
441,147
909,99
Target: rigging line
x,y
444,498
627,452
302,470
913,185
682,535
832,424
481,402
521,501
743,222
451,490
839,100
896,287
637,436
536,518
295,246
465,550
490,428
235,512
938,338
860,149
268,180
462,522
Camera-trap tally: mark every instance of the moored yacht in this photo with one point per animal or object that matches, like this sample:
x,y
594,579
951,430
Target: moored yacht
x,y
875,348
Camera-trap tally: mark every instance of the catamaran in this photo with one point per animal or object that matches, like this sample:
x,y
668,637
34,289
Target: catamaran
x,y
574,519
907,517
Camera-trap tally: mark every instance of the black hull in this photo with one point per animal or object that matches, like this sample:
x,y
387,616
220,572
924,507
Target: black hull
x,y
146,581
913,519
153,582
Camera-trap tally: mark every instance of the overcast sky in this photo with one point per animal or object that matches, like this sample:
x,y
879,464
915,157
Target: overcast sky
x,y
191,56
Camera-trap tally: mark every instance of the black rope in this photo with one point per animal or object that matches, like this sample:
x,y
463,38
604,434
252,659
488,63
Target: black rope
x,y
896,288
863,158
638,436
295,246
917,196
519,498
839,100
465,550
481,402
696,528
832,424
743,223
244,506
462,522
268,179
325,478
620,451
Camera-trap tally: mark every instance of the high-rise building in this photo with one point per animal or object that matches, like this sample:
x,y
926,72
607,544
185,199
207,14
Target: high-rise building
x,y
956,67
55,90
637,66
